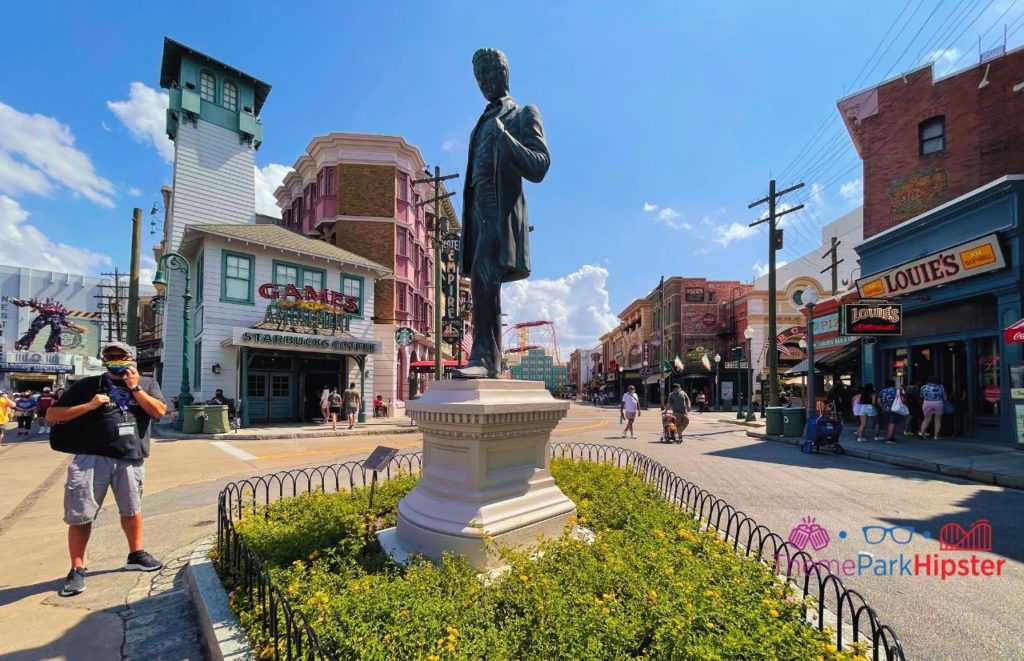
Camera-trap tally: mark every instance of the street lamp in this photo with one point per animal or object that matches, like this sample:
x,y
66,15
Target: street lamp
x,y
749,334
718,386
810,297
803,347
176,262
644,374
622,388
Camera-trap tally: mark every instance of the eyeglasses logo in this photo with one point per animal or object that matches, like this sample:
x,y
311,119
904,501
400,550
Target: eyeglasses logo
x,y
809,532
898,534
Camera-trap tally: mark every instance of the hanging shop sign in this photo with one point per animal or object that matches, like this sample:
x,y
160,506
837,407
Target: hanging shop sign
x,y
327,297
247,337
450,278
404,336
452,330
872,319
694,294
959,262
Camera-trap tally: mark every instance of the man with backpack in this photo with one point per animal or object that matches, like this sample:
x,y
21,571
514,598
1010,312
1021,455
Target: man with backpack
x,y
106,419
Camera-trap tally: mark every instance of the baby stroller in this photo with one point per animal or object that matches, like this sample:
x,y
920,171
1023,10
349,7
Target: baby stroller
x,y
669,433
826,434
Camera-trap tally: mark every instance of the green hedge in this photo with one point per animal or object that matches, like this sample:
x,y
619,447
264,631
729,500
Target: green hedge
x,y
651,585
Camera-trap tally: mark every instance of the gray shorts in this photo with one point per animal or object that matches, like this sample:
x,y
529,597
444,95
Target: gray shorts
x,y
90,475
351,410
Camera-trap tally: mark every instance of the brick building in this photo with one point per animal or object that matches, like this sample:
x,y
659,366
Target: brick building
x,y
925,142
355,191
943,187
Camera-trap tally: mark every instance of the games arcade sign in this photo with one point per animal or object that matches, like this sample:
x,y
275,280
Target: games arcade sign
x,y
963,261
872,319
326,297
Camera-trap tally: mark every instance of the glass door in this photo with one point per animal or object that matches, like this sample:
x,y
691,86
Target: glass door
x,y
256,397
279,403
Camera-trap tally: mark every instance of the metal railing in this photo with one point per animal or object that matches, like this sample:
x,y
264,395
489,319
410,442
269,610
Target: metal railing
x,y
292,636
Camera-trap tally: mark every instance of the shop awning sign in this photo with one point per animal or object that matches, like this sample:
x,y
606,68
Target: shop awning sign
x,y
872,319
963,261
251,337
1015,333
36,368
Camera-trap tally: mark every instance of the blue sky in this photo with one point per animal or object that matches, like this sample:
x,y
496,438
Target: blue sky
x,y
664,119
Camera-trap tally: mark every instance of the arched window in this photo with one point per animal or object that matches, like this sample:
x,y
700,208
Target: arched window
x,y
932,135
208,87
230,95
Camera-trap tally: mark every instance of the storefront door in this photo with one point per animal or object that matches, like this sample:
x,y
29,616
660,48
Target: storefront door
x,y
269,396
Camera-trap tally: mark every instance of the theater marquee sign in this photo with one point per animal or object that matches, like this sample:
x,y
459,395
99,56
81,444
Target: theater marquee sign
x,y
959,262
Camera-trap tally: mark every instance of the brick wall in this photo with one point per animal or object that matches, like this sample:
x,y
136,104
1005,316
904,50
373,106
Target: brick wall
x,y
374,240
984,139
366,190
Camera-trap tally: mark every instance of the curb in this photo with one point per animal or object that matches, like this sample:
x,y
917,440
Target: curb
x,y
165,434
219,627
985,477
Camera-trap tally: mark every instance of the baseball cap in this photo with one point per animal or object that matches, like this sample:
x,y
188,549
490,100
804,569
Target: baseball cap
x,y
117,345
46,389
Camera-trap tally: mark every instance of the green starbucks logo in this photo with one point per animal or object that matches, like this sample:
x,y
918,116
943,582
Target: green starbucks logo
x,y
404,336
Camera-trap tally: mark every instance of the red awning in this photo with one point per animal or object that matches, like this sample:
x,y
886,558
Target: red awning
x,y
427,366
1015,333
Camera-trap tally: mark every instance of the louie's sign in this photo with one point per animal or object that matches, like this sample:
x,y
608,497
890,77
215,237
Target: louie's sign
x,y
959,262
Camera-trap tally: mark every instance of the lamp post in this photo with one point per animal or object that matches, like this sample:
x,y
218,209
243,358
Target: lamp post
x,y
803,347
643,373
749,334
622,388
810,298
176,262
718,383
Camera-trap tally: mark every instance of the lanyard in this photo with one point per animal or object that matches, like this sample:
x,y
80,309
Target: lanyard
x,y
120,396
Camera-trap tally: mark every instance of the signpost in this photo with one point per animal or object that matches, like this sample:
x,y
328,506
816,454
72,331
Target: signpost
x,y
377,461
404,336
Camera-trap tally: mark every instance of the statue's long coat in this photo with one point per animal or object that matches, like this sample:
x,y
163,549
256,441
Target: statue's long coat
x,y
520,153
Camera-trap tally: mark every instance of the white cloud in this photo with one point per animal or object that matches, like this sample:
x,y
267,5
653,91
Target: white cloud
x,y
943,60
144,114
648,207
577,303
450,144
105,126
134,191
668,213
672,219
762,269
852,191
734,232
816,195
37,151
147,271
26,246
707,222
268,178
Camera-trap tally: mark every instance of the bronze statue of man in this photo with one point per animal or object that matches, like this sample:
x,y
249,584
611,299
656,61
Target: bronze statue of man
x,y
506,146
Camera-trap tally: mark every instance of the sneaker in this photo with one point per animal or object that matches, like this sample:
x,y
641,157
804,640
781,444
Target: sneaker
x,y
74,583
908,433
879,438
861,439
890,441
142,561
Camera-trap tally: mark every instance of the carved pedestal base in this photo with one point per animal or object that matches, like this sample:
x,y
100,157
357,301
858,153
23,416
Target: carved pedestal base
x,y
485,472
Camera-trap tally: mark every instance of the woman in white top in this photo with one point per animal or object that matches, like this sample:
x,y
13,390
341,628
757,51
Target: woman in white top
x,y
325,404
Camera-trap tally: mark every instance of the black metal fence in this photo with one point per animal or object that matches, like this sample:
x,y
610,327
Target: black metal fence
x,y
838,607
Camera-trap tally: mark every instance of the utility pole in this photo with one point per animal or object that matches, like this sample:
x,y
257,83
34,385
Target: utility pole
x,y
834,252
133,279
661,332
774,243
112,306
437,230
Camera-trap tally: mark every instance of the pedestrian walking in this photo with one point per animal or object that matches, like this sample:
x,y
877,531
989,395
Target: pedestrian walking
x,y
915,413
109,418
333,406
5,407
890,398
25,407
933,396
702,399
43,404
679,402
629,408
352,401
868,410
325,404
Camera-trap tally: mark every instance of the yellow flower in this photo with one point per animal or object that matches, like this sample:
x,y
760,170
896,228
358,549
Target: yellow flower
x,y
709,593
670,571
607,596
433,657
524,577
313,555
606,610
659,534
709,625
773,613
584,502
451,648
652,595
830,647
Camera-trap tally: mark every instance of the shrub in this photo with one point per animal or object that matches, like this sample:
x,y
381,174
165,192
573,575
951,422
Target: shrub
x,y
650,585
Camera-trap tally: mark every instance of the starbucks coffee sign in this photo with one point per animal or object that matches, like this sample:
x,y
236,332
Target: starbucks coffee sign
x,y
251,337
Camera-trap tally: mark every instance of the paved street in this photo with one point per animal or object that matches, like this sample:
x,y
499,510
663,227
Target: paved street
x,y
774,483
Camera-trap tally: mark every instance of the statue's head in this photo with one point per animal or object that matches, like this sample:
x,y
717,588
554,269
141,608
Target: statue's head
x,y
490,66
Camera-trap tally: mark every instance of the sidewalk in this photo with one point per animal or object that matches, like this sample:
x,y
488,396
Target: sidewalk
x,y
1002,465
373,426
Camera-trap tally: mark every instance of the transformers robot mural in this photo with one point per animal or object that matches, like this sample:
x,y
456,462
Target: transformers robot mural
x,y
52,314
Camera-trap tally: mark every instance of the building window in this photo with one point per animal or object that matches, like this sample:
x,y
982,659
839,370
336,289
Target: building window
x,y
330,182
352,286
711,296
298,212
401,297
402,245
197,380
320,183
236,281
403,187
300,276
313,278
207,87
230,95
199,280
285,274
932,134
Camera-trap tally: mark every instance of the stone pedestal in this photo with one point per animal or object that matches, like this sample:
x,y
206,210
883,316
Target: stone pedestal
x,y
485,471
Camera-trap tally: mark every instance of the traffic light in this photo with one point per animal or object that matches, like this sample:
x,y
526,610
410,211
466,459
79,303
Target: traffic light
x,y
778,239
737,353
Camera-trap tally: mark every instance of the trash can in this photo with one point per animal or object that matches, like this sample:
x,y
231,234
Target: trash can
x,y
773,420
216,421
193,421
793,421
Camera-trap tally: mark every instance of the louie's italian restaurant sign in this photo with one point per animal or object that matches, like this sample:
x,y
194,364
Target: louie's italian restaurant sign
x,y
959,262
872,319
